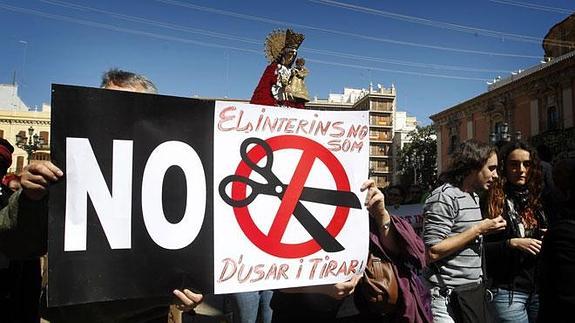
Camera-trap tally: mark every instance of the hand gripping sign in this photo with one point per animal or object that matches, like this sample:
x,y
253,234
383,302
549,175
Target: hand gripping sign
x,y
290,195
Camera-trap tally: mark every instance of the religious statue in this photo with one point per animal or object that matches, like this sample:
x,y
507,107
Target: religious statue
x,y
280,84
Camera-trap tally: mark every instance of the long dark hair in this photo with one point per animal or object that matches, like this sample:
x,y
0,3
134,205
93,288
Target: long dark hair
x,y
496,195
470,156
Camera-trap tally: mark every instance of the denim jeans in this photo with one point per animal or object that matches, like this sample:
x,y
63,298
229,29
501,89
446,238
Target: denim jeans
x,y
440,308
520,307
246,306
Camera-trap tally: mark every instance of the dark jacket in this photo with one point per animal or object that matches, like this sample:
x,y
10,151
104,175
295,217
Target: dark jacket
x,y
22,242
510,268
557,292
414,303
23,239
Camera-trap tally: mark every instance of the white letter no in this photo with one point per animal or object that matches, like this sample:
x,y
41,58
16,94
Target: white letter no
x,y
165,234
84,178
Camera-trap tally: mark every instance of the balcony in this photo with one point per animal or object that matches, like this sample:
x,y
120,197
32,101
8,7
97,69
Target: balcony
x,y
380,125
380,172
381,111
380,134
380,141
380,156
380,150
380,180
382,106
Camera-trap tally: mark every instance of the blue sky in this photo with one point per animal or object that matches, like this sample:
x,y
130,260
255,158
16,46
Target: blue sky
x,y
436,53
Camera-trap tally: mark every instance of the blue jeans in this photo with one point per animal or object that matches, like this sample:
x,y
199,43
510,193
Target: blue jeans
x,y
521,308
440,308
246,306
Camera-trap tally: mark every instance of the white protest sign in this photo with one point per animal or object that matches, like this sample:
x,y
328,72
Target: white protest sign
x,y
287,201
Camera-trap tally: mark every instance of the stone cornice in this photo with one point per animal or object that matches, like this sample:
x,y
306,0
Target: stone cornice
x,y
554,75
25,121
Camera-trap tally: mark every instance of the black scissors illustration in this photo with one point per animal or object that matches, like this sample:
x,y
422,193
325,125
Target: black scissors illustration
x,y
275,187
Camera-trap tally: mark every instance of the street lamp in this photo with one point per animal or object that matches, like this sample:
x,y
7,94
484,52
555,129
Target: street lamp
x,y
29,144
501,135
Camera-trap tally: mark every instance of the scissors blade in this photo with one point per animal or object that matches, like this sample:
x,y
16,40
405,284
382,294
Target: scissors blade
x,y
316,230
330,197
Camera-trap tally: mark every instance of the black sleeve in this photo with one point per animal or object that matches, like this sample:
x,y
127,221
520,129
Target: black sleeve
x,y
25,225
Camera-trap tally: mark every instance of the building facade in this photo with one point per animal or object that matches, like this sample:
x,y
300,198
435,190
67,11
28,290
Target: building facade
x,y
381,103
16,119
536,104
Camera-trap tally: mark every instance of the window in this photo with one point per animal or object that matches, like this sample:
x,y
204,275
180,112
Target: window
x,y
453,142
19,164
497,127
45,137
552,118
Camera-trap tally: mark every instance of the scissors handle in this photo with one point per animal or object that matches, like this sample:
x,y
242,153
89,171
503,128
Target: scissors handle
x,y
267,168
256,189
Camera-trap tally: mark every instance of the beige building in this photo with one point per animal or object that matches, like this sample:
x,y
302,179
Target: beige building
x,y
16,119
381,103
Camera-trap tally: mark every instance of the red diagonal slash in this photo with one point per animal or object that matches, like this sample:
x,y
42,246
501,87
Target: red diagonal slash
x,y
271,243
291,197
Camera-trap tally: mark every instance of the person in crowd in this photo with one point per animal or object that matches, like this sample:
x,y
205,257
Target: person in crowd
x,y
395,238
12,181
249,307
19,256
548,192
414,193
31,203
453,225
512,255
557,286
116,79
394,195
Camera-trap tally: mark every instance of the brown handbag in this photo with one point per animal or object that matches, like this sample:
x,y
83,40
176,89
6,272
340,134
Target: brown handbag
x,y
379,285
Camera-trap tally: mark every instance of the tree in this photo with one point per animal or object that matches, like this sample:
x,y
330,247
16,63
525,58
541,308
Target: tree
x,y
417,159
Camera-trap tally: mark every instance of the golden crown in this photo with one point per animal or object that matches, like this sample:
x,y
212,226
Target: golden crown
x,y
279,39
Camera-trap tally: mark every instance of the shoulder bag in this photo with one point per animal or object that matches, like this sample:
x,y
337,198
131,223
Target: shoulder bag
x,y
378,286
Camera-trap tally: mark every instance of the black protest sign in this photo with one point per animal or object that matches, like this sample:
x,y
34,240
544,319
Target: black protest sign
x,y
132,216
163,192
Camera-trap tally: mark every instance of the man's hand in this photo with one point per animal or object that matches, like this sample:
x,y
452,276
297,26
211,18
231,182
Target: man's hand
x,y
375,202
487,226
189,299
37,177
532,246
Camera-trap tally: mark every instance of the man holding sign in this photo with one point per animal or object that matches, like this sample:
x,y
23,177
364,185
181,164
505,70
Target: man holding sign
x,y
36,179
139,213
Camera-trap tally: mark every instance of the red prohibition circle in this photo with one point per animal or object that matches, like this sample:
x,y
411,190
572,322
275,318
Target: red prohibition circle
x,y
243,216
